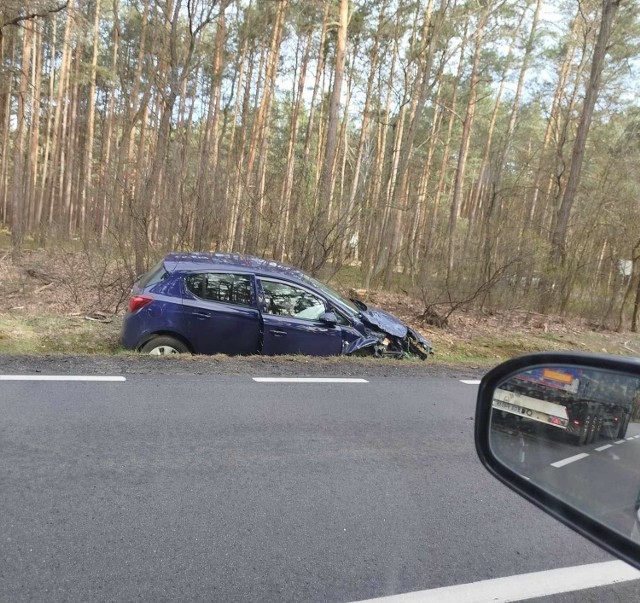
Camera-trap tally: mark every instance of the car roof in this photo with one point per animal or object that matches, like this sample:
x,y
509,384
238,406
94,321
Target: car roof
x,y
195,262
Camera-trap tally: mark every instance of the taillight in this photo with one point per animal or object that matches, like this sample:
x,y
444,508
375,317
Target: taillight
x,y
137,302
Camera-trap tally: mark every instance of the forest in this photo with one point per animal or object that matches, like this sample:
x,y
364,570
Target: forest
x,y
481,153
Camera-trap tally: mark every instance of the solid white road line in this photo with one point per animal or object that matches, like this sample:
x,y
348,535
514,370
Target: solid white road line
x,y
571,459
524,586
61,378
470,381
307,380
601,448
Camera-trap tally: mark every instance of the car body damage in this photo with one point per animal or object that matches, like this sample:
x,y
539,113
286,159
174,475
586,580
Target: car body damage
x,y
386,336
383,321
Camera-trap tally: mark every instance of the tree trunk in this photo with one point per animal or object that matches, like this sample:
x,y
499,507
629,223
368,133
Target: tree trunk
x,y
376,204
259,133
559,235
464,145
281,240
87,185
534,220
421,87
17,197
492,216
326,175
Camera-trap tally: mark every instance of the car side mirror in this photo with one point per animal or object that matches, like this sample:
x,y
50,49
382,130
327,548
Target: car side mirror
x,y
329,318
563,431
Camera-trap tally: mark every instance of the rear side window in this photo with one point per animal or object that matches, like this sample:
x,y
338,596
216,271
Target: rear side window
x,y
154,276
227,288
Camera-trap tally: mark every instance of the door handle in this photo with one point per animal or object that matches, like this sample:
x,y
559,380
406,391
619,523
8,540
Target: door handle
x,y
277,333
202,315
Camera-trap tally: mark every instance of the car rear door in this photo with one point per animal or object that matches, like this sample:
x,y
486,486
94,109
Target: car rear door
x,y
220,313
291,321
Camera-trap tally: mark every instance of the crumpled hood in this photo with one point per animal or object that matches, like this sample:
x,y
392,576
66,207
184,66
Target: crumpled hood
x,y
384,321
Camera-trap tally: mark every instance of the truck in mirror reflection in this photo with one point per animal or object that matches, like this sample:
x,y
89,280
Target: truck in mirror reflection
x,y
583,405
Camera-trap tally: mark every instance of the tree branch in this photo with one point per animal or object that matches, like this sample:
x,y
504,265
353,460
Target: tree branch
x,y
35,15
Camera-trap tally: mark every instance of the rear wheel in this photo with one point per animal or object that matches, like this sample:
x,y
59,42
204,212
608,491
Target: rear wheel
x,y
624,423
164,346
582,437
596,425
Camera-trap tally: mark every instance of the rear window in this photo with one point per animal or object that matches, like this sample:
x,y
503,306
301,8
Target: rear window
x,y
154,276
227,288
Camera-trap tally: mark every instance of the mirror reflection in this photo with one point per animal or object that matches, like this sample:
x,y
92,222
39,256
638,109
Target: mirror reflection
x,y
574,431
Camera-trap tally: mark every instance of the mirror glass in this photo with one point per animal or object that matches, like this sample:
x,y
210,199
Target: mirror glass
x,y
575,432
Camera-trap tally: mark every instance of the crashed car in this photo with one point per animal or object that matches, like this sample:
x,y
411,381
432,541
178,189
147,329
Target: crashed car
x,y
215,303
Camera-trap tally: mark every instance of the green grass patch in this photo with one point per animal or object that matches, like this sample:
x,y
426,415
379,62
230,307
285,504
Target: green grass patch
x,y
45,334
487,349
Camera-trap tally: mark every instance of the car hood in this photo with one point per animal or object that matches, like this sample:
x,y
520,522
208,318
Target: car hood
x,y
384,321
388,323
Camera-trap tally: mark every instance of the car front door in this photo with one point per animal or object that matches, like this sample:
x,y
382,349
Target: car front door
x,y
291,321
220,313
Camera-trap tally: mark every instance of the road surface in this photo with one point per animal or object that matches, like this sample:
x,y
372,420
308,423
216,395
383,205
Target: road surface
x,y
220,488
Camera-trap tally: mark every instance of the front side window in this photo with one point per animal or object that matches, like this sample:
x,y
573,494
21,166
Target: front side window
x,y
227,288
287,300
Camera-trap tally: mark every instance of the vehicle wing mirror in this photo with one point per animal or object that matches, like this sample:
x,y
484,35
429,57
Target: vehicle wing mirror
x,y
563,431
329,318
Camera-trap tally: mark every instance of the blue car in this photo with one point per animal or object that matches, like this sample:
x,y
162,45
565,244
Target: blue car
x,y
215,303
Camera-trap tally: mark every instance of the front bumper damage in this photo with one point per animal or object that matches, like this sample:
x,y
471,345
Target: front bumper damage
x,y
402,343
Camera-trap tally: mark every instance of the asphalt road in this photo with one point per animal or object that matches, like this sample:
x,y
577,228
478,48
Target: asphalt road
x,y
602,478
217,488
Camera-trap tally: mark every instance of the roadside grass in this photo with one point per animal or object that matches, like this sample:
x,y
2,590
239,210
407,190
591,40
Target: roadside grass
x,y
488,349
36,334
50,333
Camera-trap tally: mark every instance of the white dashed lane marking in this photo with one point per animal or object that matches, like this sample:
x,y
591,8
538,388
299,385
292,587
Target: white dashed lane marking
x,y
569,460
470,381
308,380
577,457
523,586
88,378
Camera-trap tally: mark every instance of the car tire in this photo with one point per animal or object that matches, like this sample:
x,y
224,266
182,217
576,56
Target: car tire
x,y
622,433
596,424
585,427
164,345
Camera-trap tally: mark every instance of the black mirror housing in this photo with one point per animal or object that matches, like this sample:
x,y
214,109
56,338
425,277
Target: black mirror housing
x,y
496,398
329,318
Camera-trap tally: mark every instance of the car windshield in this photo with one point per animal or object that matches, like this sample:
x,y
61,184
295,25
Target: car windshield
x,y
332,294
